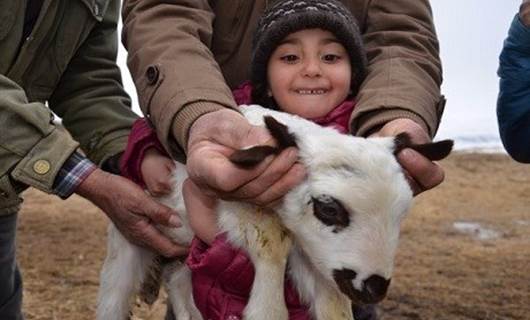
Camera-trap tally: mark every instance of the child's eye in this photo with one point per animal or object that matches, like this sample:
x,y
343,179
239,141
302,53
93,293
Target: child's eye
x,y
331,58
289,58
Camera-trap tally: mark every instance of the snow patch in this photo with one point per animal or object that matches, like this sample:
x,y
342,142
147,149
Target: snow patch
x,y
522,222
476,230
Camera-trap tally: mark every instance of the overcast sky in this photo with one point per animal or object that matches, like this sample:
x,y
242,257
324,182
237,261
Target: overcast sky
x,y
471,33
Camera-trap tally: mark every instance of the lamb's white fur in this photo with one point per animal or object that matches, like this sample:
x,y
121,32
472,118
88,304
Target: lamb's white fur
x,y
362,174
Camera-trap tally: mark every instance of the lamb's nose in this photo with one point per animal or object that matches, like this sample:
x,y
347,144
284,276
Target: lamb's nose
x,y
375,288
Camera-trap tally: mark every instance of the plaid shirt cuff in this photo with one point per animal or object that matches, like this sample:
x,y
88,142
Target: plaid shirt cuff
x,y
72,173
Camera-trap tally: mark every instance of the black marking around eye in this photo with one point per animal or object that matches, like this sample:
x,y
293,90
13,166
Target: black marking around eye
x,y
331,212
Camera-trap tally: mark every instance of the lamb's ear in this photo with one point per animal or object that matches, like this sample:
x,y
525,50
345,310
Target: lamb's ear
x,y
280,132
433,151
252,156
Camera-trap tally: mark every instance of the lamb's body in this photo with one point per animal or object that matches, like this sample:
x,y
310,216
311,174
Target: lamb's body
x,y
339,229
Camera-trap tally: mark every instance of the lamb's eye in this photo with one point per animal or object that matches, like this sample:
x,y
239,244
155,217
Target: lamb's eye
x,y
331,212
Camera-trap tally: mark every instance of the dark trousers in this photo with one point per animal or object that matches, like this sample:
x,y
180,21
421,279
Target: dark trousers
x,y
10,280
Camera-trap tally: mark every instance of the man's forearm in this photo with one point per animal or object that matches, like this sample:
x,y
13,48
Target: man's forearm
x,y
90,98
405,68
173,93
513,111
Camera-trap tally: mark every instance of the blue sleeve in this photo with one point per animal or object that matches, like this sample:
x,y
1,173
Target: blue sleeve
x,y
513,104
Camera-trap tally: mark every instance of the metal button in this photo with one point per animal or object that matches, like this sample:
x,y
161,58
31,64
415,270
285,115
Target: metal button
x,y
152,74
41,166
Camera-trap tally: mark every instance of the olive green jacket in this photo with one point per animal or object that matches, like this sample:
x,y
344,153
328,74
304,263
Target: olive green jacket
x,y
186,55
66,64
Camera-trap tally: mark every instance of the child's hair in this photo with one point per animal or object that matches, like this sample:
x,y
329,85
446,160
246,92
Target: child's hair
x,y
289,16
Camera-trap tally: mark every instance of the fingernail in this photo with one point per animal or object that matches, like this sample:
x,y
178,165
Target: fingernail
x,y
174,221
405,152
408,155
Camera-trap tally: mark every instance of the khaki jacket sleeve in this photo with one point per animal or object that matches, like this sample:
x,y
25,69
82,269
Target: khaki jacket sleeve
x,y
405,71
175,73
90,97
32,149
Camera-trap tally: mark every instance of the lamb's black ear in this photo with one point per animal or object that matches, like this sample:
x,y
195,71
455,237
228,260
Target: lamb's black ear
x,y
252,156
433,151
280,132
401,141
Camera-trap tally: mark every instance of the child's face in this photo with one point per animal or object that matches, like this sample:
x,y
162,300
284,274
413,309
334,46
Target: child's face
x,y
309,73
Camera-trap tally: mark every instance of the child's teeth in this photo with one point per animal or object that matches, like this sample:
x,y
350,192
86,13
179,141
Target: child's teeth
x,y
311,91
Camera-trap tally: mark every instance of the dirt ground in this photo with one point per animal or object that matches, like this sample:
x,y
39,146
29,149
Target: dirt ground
x,y
464,251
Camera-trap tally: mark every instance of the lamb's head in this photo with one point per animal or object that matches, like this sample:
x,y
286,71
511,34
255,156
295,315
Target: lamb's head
x,y
346,215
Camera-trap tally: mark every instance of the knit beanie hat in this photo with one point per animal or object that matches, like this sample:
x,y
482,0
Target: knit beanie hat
x,y
289,16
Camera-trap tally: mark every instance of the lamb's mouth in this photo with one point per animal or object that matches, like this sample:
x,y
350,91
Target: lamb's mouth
x,y
344,279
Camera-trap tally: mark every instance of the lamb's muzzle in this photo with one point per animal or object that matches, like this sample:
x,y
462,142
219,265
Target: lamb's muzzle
x,y
374,288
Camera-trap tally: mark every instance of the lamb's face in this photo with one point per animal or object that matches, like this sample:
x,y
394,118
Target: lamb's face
x,y
347,215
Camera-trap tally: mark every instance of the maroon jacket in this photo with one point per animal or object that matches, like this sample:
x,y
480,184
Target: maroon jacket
x,y
222,275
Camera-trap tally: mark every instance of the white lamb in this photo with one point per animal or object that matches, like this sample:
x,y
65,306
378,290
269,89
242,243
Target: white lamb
x,y
337,231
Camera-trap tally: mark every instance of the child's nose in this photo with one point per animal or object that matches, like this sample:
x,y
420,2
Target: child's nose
x,y
312,68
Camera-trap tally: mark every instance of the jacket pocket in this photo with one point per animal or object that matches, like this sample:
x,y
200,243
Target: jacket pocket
x,y
9,198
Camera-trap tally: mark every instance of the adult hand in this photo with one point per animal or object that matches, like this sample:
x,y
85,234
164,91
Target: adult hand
x,y
214,137
524,12
132,211
422,173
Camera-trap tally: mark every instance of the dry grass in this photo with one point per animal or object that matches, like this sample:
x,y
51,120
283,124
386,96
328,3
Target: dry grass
x,y
440,273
